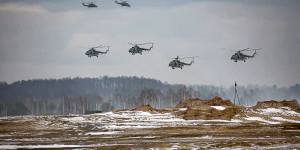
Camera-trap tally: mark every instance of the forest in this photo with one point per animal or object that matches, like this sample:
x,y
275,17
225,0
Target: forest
x,y
88,95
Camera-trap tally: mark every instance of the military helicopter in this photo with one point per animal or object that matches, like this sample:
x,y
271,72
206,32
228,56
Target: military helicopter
x,y
176,63
239,56
122,3
89,4
93,52
137,49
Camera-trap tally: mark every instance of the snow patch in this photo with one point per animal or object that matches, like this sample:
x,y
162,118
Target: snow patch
x,y
206,137
104,133
261,120
286,111
218,107
285,120
74,119
182,109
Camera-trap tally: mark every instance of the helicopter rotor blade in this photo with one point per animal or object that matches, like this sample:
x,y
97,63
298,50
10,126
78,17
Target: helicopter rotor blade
x,y
100,46
193,57
131,43
189,57
256,49
145,43
246,49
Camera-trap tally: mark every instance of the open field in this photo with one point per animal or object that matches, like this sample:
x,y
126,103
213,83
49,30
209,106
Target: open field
x,y
144,130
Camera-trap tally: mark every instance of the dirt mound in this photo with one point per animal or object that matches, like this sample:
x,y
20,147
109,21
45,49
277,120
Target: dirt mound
x,y
293,104
201,109
218,101
199,104
191,103
210,113
145,108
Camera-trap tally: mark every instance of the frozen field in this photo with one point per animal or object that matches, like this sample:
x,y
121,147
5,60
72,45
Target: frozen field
x,y
260,129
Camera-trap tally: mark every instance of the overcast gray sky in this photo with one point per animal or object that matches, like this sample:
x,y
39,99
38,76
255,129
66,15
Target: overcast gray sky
x,y
47,39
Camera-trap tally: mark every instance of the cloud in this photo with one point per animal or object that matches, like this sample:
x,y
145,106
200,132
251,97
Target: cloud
x,y
208,29
22,8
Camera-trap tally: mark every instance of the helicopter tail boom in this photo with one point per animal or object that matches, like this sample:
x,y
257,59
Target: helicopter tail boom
x,y
191,62
255,53
106,51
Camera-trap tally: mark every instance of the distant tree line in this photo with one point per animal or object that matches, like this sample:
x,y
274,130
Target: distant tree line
x,y
82,95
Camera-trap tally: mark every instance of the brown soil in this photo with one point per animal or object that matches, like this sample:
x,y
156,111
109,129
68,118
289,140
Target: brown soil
x,y
244,136
210,113
218,101
146,108
199,103
200,109
293,104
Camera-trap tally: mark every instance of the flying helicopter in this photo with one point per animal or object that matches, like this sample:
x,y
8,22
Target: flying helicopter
x,y
93,52
239,56
89,4
136,48
122,3
176,63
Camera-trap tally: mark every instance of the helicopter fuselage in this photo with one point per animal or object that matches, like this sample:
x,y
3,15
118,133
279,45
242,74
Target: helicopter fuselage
x,y
92,52
137,50
239,56
122,3
178,64
90,5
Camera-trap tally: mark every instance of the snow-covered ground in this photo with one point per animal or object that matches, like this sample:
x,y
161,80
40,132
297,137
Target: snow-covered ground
x,y
115,122
261,120
285,120
136,120
161,130
285,111
123,120
272,115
